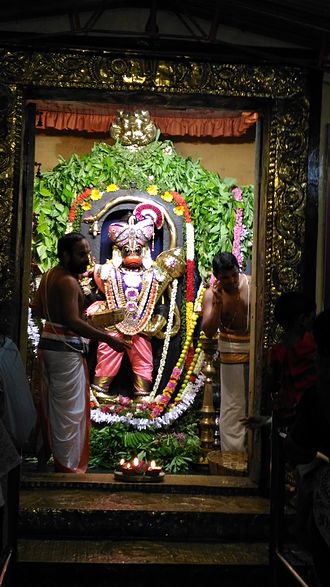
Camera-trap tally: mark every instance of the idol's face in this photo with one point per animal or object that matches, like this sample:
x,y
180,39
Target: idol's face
x,y
132,258
80,257
229,280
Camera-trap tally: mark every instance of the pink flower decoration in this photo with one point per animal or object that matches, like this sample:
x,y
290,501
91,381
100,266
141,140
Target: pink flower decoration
x,y
238,228
237,193
176,373
124,401
144,406
156,412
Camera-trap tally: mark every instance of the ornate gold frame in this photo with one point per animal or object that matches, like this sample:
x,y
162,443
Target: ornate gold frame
x,y
280,94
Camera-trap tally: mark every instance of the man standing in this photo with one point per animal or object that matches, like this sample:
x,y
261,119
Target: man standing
x,y
226,308
64,401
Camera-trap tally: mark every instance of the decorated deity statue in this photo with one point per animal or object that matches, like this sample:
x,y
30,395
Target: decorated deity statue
x,y
133,285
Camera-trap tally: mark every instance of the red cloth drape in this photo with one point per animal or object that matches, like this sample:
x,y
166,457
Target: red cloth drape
x,y
173,123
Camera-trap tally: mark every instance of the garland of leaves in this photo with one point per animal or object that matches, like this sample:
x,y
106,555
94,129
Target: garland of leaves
x,y
209,198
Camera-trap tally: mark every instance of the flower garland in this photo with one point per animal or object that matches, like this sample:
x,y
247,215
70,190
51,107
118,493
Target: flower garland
x,y
238,228
100,416
182,210
189,357
82,202
156,408
197,359
177,371
166,340
33,332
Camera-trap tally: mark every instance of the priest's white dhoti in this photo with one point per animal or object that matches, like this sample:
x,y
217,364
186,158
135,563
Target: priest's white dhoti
x,y
234,370
64,405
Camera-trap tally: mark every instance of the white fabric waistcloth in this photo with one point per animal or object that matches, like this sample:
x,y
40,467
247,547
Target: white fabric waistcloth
x,y
233,406
65,408
229,346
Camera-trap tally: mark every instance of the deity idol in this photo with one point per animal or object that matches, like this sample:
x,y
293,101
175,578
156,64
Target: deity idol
x,y
133,284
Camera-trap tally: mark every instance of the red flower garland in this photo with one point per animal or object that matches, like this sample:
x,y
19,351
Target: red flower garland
x,y
181,202
77,202
190,294
190,263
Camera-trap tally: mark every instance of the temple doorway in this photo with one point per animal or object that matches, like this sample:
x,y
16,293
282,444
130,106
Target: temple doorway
x,y
225,141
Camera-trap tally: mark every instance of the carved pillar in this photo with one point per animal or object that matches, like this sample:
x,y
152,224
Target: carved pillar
x,y
207,420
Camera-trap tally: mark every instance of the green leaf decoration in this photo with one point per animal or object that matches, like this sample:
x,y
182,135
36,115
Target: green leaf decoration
x,y
208,196
174,450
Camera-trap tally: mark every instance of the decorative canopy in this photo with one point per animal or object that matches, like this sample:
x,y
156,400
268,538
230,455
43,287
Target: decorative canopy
x,y
98,118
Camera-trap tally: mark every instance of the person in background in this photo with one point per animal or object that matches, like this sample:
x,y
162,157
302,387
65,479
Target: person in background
x,y
308,446
17,421
291,365
226,309
291,361
290,372
64,401
17,410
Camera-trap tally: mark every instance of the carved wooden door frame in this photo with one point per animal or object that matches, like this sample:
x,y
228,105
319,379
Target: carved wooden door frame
x,y
282,96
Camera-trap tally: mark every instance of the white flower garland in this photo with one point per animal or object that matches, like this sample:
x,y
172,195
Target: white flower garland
x,y
199,362
33,332
190,241
166,419
197,302
166,340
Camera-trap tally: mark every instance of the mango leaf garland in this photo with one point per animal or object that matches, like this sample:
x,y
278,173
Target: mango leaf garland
x,y
156,168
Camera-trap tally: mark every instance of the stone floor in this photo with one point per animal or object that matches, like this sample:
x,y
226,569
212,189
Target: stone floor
x,y
77,530
183,507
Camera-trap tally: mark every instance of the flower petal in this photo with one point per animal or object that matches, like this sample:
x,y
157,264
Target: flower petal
x,y
112,187
152,190
96,195
179,210
167,196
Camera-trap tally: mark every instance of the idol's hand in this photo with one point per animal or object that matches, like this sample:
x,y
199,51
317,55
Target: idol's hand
x,y
118,344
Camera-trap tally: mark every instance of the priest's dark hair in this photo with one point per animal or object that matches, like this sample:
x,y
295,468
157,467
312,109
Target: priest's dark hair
x,y
224,262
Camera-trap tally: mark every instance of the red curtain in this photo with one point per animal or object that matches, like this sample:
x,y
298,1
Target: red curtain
x,y
98,119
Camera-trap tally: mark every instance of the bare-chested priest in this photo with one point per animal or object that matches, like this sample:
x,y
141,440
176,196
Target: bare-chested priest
x,y
64,393
226,309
